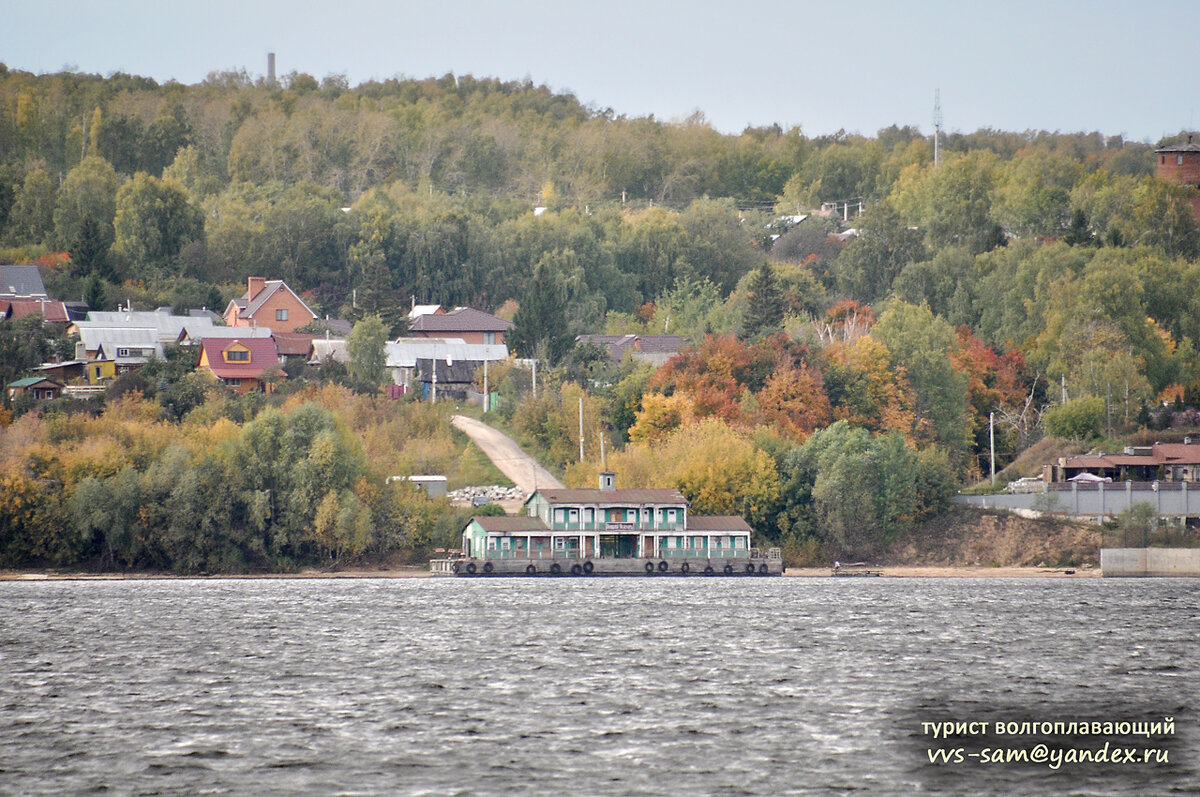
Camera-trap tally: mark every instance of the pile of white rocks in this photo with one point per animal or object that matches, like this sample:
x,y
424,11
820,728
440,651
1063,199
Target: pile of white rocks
x,y
491,494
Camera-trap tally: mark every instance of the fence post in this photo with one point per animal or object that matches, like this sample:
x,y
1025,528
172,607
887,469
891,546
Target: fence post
x,y
1075,498
1101,486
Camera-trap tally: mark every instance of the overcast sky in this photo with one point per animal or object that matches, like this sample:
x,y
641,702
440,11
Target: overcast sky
x,y
1117,67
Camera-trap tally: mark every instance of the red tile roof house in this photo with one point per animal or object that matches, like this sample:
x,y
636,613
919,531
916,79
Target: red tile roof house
x,y
241,363
51,311
269,303
473,326
1176,462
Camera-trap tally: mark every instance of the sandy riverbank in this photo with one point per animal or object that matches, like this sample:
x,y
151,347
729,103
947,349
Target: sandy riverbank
x,y
399,572
957,572
417,572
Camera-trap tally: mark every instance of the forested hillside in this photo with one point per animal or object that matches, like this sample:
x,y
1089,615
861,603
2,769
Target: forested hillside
x,y
844,365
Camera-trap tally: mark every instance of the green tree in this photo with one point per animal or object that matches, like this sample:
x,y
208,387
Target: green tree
x,y
1078,419
857,491
23,345
31,220
540,325
83,215
154,220
367,349
920,343
765,306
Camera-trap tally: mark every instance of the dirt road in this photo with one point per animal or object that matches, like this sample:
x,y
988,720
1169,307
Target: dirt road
x,y
502,450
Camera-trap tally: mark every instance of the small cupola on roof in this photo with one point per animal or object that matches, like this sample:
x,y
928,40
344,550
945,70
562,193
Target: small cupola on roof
x,y
608,481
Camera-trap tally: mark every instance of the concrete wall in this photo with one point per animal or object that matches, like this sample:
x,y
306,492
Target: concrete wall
x,y
1150,562
1096,501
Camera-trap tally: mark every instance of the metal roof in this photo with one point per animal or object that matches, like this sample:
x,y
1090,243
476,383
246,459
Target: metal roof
x,y
22,281
404,352
460,319
717,523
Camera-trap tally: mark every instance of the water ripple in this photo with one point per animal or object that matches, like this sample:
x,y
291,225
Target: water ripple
x,y
613,686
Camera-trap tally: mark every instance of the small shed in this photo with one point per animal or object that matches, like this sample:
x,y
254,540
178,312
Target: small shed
x,y
41,388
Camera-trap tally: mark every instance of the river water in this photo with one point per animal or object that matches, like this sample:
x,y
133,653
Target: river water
x,y
584,686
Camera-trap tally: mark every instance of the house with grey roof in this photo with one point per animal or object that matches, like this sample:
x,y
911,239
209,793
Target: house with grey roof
x,y
22,282
652,349
473,326
269,303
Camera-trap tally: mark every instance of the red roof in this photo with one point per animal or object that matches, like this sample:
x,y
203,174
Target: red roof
x,y
19,308
262,357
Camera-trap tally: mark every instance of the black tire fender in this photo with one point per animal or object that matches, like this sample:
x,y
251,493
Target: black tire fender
x,y
649,567
470,568
531,570
588,567
663,566
729,570
685,568
708,571
555,569
488,567
576,570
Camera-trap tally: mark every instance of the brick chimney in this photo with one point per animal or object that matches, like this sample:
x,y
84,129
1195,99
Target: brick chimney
x,y
254,285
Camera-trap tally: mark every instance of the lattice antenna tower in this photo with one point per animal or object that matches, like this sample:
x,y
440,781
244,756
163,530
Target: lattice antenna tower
x,y
937,127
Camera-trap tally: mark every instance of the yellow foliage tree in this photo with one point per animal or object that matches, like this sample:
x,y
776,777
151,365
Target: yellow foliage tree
x,y
660,415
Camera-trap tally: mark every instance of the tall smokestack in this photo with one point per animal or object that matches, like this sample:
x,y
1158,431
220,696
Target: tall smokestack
x,y
271,69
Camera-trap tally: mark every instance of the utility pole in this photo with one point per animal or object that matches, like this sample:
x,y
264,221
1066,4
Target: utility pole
x,y
992,442
937,127
581,428
487,397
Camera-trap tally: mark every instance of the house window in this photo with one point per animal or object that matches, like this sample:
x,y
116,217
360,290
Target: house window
x,y
122,352
491,543
1178,160
489,337
505,543
234,382
281,314
236,356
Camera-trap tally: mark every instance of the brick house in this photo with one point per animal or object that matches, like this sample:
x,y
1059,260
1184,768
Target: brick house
x,y
1180,164
241,363
269,303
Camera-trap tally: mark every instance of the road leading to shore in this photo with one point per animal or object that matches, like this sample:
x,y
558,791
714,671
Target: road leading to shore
x,y
503,451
